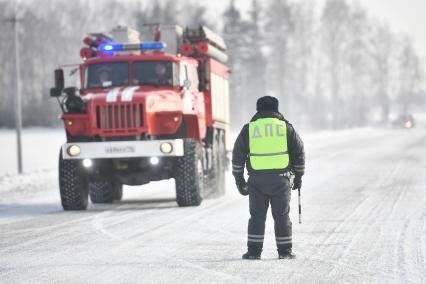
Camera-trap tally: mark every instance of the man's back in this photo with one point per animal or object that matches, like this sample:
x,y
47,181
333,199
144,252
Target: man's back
x,y
295,147
270,149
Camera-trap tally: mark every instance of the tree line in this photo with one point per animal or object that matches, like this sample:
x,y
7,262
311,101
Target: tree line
x,y
334,68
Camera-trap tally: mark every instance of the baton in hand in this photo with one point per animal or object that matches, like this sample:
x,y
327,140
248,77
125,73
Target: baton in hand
x,y
298,197
300,206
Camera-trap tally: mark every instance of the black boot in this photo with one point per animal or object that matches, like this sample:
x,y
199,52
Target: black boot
x,y
251,255
286,254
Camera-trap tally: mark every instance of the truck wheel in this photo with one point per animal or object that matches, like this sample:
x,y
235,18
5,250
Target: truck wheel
x,y
72,185
102,191
216,175
118,193
189,175
221,166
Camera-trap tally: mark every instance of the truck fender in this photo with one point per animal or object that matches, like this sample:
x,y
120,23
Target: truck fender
x,y
192,127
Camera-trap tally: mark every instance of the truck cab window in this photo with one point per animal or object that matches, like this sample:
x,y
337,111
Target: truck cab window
x,y
158,73
104,75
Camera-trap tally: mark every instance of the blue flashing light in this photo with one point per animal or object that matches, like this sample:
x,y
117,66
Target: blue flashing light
x,y
111,47
153,45
108,47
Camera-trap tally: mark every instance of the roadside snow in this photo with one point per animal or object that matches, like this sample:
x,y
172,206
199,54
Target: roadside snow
x,y
40,149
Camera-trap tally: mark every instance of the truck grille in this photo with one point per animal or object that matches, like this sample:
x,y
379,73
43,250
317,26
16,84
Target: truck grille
x,y
119,116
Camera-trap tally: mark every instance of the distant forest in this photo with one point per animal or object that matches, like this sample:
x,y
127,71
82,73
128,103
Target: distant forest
x,y
331,68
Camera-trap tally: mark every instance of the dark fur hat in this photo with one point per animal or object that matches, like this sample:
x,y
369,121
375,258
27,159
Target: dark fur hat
x,y
267,103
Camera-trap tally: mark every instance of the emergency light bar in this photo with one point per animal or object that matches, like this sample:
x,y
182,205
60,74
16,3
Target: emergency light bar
x,y
111,47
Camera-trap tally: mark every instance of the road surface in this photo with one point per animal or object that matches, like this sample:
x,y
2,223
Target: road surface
x,y
364,221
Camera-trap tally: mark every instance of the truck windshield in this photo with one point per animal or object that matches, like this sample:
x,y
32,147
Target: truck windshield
x,y
107,74
158,73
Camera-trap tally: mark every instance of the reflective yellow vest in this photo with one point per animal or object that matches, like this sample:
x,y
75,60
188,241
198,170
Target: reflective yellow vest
x,y
268,144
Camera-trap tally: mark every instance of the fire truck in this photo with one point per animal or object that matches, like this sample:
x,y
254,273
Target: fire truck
x,y
147,105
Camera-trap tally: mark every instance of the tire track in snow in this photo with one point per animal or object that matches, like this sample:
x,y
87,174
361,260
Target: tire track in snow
x,y
361,212
136,238
45,240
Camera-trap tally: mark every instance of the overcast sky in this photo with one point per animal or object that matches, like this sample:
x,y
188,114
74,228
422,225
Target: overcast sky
x,y
407,16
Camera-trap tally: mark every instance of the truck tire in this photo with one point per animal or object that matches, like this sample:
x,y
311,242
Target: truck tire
x,y
118,193
102,191
221,166
189,175
72,185
215,178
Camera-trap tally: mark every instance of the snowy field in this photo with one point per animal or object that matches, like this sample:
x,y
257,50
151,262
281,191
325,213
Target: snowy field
x,y
364,221
40,149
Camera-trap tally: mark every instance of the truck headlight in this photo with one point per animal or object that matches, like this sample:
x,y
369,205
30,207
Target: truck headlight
x,y
154,161
73,150
87,163
166,147
408,124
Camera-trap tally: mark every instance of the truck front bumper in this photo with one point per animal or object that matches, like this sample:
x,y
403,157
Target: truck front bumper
x,y
123,149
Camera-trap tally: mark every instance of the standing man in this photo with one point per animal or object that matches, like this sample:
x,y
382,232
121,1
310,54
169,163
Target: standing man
x,y
270,148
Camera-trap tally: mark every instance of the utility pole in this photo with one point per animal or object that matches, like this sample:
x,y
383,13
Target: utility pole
x,y
18,105
18,108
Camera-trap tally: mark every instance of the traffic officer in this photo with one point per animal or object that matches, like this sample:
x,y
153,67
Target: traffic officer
x,y
270,148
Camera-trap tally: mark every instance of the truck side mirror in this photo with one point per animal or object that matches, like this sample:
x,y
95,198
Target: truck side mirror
x,y
55,93
59,79
186,84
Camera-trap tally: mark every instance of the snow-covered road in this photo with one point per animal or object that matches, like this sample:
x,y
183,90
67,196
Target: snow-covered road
x,y
364,221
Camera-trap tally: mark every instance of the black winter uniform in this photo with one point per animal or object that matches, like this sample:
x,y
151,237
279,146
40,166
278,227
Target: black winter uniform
x,y
268,186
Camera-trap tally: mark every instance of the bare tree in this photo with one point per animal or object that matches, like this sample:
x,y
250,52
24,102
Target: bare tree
x,y
358,81
6,66
334,42
410,75
232,32
381,48
301,52
279,34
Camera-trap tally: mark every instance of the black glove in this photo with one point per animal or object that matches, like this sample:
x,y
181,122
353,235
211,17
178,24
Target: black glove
x,y
241,184
297,182
243,189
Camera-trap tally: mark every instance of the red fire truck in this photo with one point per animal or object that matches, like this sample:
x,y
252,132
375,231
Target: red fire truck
x,y
145,111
